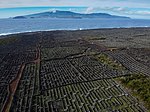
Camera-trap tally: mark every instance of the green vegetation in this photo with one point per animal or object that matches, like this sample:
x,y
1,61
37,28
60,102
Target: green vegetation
x,y
140,86
110,62
97,38
8,40
95,96
65,73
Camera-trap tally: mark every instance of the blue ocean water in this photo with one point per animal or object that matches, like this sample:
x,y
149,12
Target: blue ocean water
x,y
9,26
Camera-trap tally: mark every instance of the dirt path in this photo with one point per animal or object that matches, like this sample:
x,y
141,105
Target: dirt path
x,y
38,55
14,83
12,89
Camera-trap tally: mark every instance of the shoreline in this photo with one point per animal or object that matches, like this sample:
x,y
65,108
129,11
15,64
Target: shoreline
x,y
2,35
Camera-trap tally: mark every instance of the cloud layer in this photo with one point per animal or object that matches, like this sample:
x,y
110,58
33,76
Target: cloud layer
x,y
91,3
121,10
132,8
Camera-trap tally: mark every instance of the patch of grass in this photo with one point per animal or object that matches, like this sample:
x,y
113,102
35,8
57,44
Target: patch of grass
x,y
139,85
110,62
97,38
8,40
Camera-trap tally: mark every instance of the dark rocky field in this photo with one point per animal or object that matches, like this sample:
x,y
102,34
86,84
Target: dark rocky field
x,y
76,71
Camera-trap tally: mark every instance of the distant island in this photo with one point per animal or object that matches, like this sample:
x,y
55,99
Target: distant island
x,y
69,14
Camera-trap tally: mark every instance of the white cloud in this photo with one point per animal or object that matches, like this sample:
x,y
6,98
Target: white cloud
x,y
143,12
98,9
146,13
89,10
118,10
116,7
90,3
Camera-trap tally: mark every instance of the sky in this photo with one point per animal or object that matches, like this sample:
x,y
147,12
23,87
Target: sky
x,y
139,9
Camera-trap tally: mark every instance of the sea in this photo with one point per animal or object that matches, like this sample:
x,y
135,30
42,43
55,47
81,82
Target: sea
x,y
13,26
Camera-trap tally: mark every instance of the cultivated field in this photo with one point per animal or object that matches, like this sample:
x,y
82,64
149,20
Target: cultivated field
x,y
72,71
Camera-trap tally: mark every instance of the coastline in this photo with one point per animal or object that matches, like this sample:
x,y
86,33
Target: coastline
x,y
134,37
83,29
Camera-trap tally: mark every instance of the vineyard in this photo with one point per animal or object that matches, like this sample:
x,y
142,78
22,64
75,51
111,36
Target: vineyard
x,y
130,62
142,57
44,72
23,96
101,95
61,52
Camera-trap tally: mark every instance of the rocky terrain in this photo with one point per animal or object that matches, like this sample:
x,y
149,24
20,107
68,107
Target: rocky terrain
x,y
76,71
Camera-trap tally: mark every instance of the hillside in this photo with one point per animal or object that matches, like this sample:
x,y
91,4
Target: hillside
x,y
69,14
